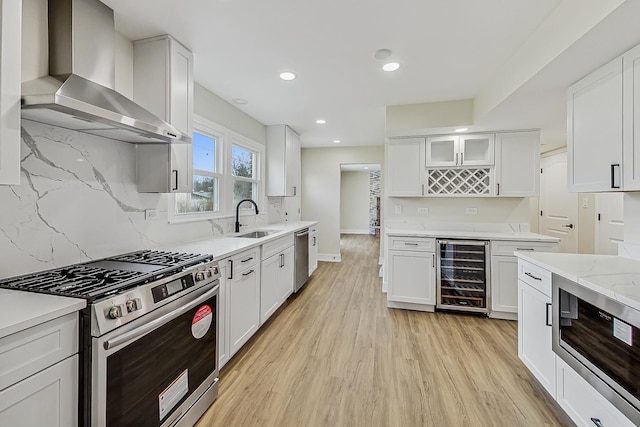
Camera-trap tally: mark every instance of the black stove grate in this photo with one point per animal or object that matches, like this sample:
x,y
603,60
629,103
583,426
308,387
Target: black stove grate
x,y
94,282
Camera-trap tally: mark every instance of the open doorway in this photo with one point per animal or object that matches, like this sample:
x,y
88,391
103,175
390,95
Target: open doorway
x,y
360,193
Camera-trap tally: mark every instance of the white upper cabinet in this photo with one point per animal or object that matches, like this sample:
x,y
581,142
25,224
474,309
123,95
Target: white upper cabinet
x,y
163,80
405,167
459,150
283,161
631,118
10,54
517,164
594,130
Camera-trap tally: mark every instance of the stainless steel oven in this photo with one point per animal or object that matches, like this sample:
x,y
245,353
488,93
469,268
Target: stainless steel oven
x,y
147,338
153,370
600,339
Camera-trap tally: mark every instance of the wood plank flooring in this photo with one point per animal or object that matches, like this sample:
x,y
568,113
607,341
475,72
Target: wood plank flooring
x,y
335,355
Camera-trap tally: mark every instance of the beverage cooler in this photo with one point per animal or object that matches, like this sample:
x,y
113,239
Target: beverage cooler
x,y
463,275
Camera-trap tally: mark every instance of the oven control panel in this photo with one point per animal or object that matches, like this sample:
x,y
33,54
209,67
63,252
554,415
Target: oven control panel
x,y
120,309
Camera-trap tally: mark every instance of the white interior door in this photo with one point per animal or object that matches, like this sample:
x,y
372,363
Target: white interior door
x,y
610,223
559,208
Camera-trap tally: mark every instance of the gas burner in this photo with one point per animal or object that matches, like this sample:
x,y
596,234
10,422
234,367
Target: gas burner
x,y
157,258
77,280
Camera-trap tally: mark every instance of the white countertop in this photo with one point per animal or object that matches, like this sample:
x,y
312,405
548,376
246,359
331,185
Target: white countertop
x,y
615,277
225,246
21,310
480,235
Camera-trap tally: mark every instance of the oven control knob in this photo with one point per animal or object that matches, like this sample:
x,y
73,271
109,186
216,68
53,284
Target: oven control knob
x,y
209,273
199,276
215,270
134,305
118,311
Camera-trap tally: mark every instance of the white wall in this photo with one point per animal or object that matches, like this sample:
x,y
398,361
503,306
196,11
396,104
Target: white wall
x,y
321,190
354,202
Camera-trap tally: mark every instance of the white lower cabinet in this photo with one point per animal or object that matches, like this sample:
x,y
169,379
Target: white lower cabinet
x,y
277,282
39,375
504,285
412,272
584,405
534,335
243,291
48,398
223,322
313,249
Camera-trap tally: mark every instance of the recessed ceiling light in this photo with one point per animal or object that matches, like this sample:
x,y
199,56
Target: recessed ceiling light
x,y
461,130
336,141
321,121
287,75
382,54
391,66
366,167
240,101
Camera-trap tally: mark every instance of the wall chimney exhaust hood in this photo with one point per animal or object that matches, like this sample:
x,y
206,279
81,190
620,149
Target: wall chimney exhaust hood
x,y
79,92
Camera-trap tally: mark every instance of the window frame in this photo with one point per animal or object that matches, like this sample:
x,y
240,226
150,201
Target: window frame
x,y
225,139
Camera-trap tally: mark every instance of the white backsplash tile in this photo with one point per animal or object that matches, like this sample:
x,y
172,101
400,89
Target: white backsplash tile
x,y
78,201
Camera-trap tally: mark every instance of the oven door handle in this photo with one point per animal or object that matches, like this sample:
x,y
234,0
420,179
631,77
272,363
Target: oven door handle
x,y
146,328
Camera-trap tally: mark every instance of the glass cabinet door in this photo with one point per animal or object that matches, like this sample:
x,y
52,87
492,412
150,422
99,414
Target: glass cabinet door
x,y
476,150
442,151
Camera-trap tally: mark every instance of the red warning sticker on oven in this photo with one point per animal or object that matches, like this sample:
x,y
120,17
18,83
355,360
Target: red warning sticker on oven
x,y
201,321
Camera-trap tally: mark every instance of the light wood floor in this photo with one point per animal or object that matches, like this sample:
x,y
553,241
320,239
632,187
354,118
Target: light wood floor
x,y
335,355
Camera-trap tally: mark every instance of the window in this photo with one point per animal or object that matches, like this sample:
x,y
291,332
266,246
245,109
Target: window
x,y
244,174
226,169
206,179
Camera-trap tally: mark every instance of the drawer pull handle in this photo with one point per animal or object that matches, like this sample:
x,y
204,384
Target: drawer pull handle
x,y
247,260
525,249
248,273
410,244
597,422
532,276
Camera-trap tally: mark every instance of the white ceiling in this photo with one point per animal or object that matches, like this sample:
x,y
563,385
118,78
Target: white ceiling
x,y
447,48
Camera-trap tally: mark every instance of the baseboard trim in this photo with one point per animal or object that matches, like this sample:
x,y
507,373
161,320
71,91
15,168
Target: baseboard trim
x,y
503,315
411,306
381,260
329,258
351,231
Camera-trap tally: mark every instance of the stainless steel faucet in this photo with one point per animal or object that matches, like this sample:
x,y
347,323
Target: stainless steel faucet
x,y
238,211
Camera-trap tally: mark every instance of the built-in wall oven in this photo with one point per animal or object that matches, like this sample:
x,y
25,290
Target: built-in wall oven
x,y
463,275
600,339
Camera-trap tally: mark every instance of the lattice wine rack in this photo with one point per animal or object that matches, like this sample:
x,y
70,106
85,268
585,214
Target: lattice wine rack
x,y
459,181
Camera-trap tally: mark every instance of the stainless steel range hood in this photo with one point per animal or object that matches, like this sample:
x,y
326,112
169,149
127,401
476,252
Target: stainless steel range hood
x,y
78,94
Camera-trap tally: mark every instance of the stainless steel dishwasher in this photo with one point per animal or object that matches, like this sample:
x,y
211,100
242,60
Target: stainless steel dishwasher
x,y
302,258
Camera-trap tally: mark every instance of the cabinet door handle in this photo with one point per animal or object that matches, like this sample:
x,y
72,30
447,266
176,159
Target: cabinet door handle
x,y
568,226
433,260
456,159
461,158
175,175
410,244
547,321
423,189
597,422
525,249
498,192
526,273
615,175
248,272
295,190
281,260
314,240
246,259
230,269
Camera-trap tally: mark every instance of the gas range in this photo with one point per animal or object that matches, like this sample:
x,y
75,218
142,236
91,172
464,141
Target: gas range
x,y
122,288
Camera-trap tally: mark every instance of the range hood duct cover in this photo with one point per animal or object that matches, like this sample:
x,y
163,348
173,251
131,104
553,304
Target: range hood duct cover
x,y
78,94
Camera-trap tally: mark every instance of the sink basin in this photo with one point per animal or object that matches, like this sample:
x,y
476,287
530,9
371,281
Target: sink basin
x,y
256,234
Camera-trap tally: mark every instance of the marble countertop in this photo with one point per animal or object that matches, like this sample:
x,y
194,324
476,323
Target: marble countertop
x,y
225,246
21,310
615,277
482,235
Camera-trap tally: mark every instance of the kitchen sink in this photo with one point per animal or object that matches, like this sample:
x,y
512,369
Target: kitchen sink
x,y
256,234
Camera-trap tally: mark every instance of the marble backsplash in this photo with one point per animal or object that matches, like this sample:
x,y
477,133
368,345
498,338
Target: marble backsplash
x,y
77,201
